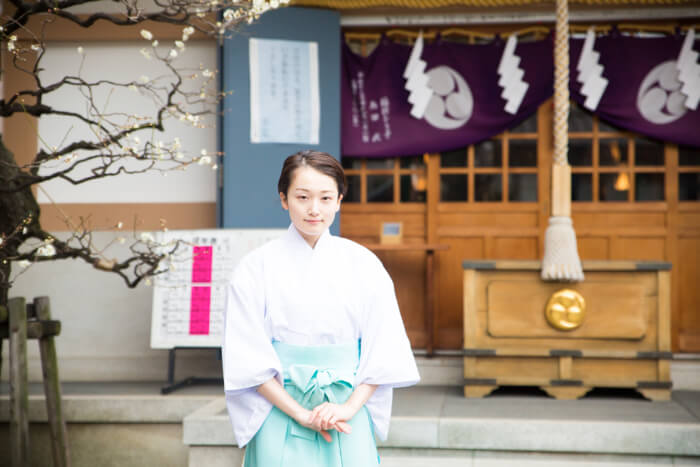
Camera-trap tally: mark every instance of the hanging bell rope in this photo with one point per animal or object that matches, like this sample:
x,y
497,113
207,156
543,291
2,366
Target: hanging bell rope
x,y
561,260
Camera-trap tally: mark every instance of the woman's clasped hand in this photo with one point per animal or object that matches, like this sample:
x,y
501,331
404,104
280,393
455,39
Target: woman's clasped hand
x,y
327,416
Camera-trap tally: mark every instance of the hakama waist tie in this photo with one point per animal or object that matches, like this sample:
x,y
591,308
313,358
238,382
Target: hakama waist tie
x,y
314,375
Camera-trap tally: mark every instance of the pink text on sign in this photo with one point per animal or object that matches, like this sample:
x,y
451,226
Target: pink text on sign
x,y
201,264
200,306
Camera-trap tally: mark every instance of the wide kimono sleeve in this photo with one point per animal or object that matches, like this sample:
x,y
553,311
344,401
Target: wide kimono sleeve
x,y
247,353
386,358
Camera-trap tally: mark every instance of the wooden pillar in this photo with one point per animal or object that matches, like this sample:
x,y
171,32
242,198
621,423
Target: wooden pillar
x,y
19,397
52,389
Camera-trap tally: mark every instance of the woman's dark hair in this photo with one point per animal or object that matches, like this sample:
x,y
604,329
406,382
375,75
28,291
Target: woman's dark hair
x,y
321,161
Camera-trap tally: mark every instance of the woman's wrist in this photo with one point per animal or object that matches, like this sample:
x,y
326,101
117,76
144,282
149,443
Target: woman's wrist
x,y
302,415
351,408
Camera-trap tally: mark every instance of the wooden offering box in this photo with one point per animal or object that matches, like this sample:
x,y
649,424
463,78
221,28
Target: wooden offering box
x,y
611,330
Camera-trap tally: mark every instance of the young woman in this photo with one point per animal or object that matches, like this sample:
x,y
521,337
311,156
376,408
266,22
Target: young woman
x,y
314,342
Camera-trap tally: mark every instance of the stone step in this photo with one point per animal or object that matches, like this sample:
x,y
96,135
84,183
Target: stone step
x,y
431,426
217,456
436,426
446,458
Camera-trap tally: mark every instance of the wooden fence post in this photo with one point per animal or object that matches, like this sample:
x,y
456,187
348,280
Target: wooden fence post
x,y
52,388
19,396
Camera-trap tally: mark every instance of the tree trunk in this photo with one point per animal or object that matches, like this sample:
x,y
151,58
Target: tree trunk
x,y
19,210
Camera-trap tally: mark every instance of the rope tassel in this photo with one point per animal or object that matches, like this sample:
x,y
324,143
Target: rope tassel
x,y
561,260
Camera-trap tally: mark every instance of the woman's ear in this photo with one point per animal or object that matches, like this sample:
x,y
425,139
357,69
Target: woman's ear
x,y
340,198
283,201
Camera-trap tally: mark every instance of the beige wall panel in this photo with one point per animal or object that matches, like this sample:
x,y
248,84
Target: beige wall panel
x,y
639,248
513,248
688,273
607,219
593,247
496,218
141,216
448,312
19,130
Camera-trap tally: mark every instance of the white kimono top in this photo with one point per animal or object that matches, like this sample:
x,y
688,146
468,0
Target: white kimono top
x,y
335,293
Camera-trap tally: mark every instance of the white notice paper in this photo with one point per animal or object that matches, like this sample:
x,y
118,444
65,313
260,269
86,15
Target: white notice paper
x,y
284,91
189,299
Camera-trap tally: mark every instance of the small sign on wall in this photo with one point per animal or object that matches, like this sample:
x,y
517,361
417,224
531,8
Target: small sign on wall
x,y
284,91
391,233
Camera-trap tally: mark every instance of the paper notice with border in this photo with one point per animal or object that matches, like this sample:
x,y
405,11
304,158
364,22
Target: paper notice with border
x,y
284,91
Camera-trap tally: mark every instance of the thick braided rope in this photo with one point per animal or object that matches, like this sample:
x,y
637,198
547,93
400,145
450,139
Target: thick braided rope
x,y
561,83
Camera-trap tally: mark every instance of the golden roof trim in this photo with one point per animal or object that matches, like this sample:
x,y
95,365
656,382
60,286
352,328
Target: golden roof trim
x,y
428,4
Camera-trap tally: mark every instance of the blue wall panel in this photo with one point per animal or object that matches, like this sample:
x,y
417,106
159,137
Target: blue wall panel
x,y
249,195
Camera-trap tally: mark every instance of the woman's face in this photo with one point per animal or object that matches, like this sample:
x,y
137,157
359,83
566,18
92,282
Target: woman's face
x,y
312,201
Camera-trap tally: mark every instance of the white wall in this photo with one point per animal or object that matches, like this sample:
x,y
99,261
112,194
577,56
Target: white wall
x,y
123,62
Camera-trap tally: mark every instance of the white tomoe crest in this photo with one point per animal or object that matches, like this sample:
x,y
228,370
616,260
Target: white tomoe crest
x,y
511,77
659,99
440,95
689,71
590,73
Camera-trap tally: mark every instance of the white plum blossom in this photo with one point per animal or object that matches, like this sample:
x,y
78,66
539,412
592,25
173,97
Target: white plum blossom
x,y
146,34
146,54
146,237
204,160
25,263
173,53
187,32
80,49
228,15
155,43
207,73
180,45
46,250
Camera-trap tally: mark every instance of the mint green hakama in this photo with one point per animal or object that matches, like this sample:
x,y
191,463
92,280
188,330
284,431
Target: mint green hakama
x,y
313,375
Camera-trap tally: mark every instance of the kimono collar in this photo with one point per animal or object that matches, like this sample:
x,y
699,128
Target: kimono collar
x,y
295,238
